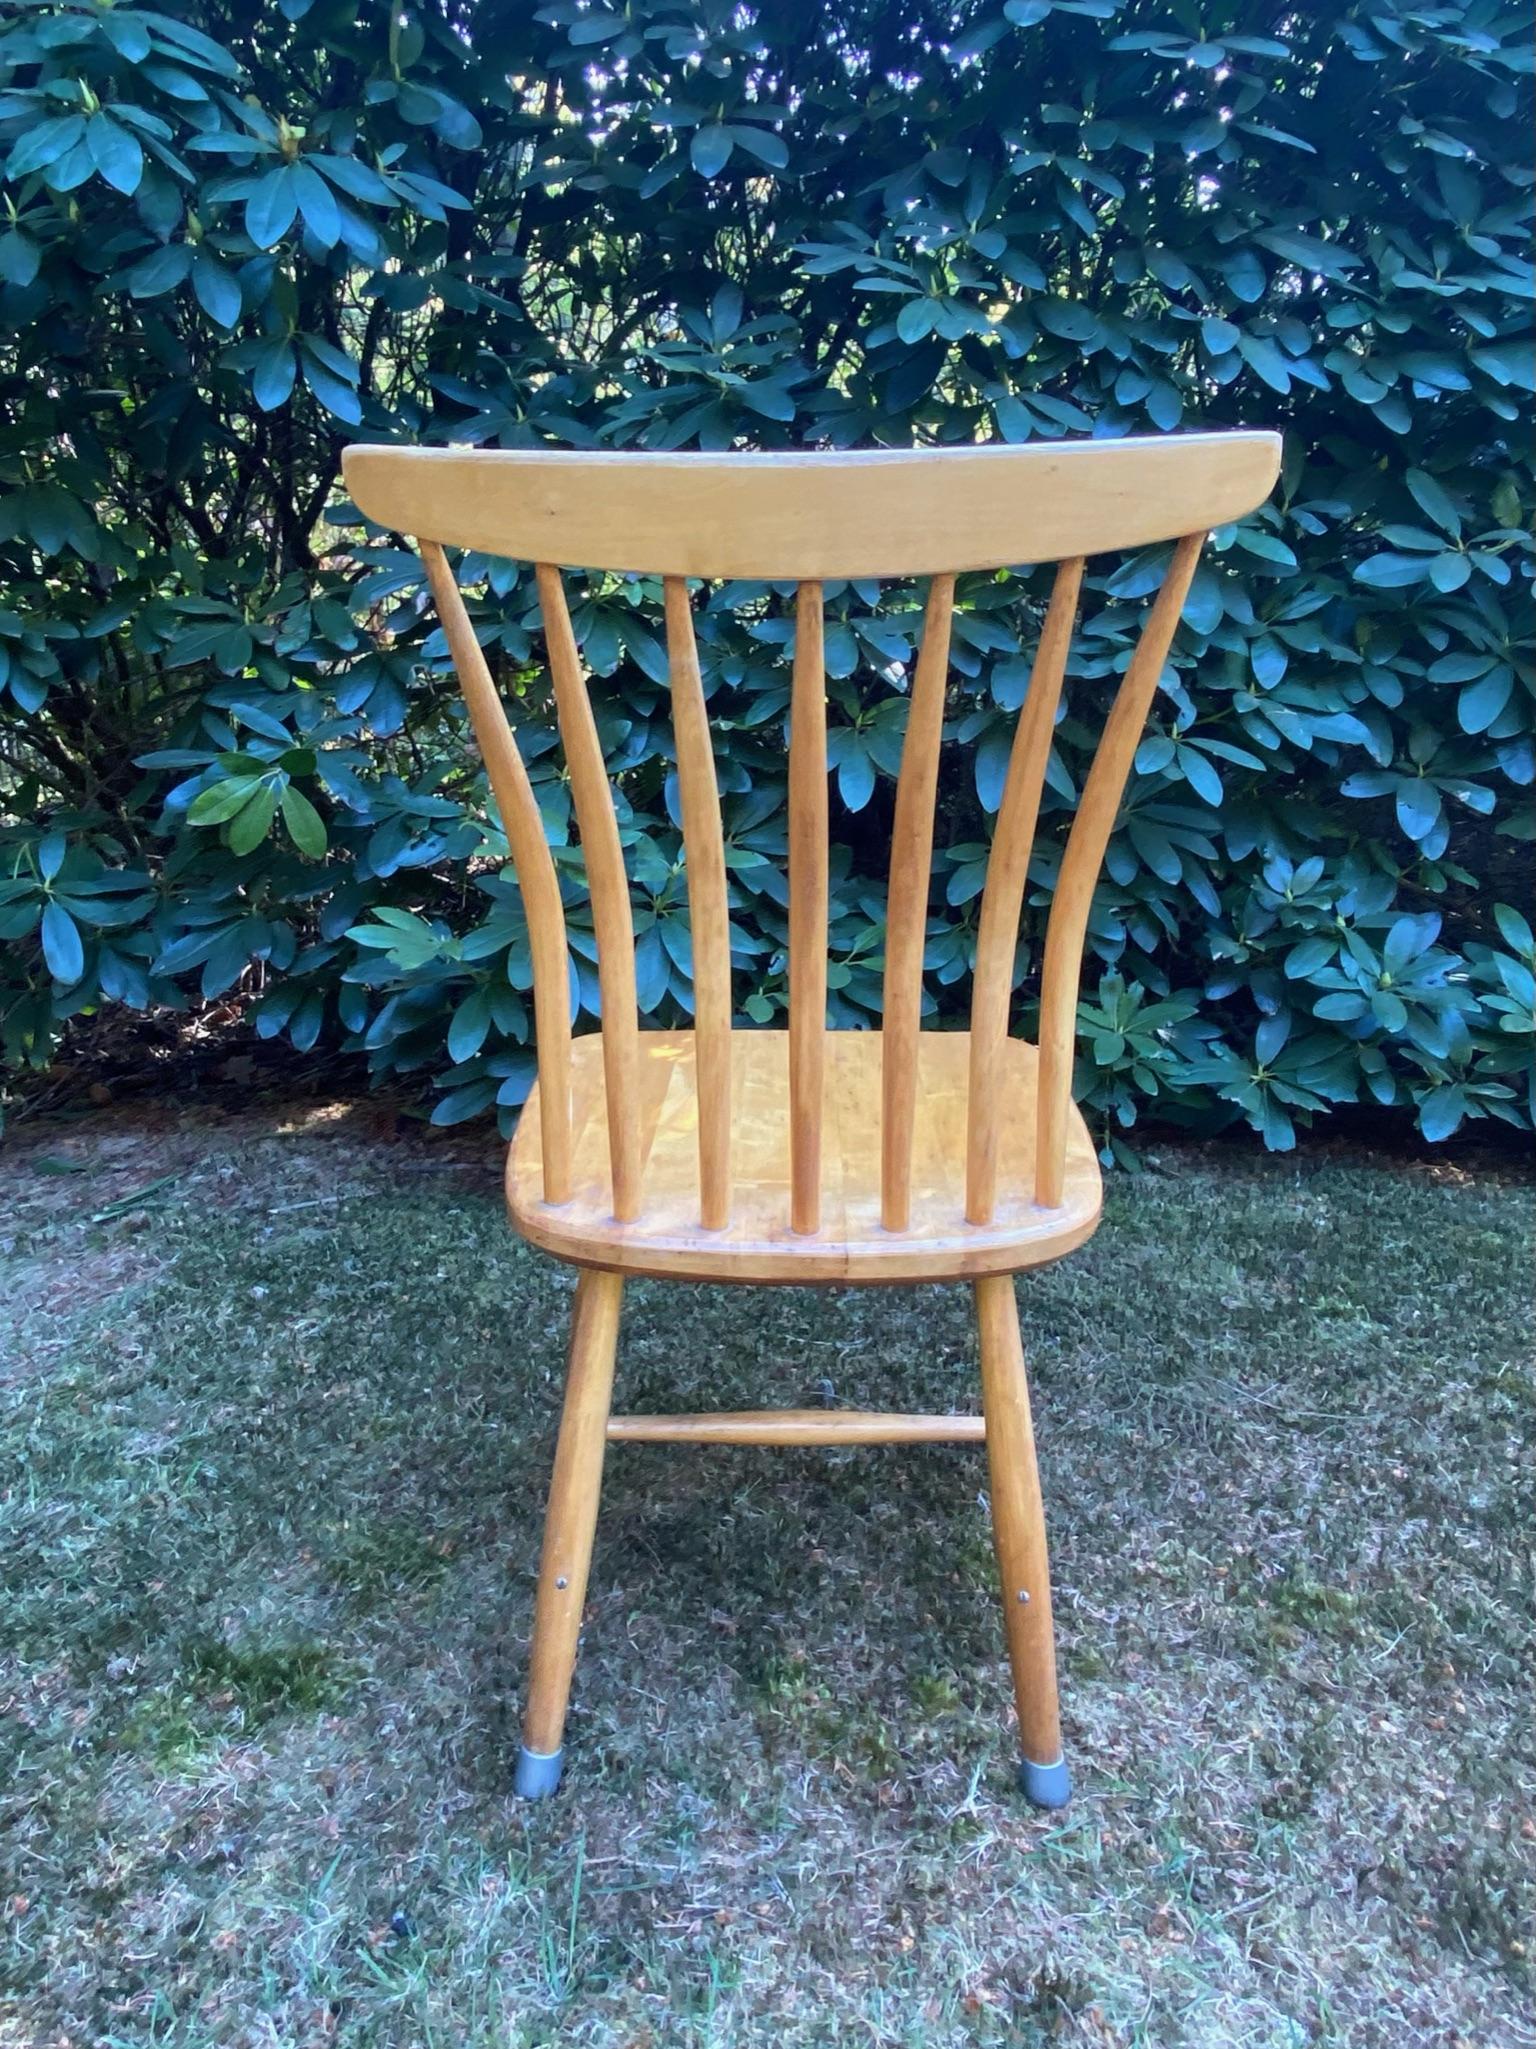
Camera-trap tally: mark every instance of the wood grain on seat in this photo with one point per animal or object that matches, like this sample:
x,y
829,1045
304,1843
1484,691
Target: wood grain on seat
x,y
759,1244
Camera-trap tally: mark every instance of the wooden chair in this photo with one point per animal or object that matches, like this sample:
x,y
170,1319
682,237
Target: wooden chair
x,y
808,1156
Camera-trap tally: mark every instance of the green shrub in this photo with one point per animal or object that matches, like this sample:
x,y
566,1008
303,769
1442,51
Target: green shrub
x,y
232,761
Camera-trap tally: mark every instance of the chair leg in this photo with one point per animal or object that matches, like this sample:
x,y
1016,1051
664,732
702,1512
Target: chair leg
x,y
569,1525
1018,1530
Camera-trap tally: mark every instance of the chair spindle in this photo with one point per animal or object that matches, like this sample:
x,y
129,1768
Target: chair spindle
x,y
599,829
1080,865
906,915
704,857
537,882
807,911
1003,899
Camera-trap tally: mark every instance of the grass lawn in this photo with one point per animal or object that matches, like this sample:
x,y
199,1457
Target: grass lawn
x,y
275,1421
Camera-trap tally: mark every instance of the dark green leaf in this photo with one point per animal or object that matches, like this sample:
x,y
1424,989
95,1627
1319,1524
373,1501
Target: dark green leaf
x,y
273,375
1390,572
317,206
305,826
1514,929
710,150
19,259
220,801
115,153
1481,702
161,271
62,950
216,289
1266,361
915,319
1442,1111
337,397
251,824
272,207
1433,499
1418,808
761,143
1208,133
44,144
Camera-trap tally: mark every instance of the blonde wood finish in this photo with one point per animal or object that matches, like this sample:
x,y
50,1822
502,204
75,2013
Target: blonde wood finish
x,y
807,910
887,512
809,1156
1082,861
571,1521
853,1244
535,870
609,885
797,1426
906,905
1003,899
704,847
1018,1520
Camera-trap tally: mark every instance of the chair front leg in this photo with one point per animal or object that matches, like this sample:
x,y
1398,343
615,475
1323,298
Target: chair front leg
x,y
1018,1531
569,1527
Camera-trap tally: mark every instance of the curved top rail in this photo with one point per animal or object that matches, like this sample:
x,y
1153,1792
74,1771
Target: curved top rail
x,y
814,516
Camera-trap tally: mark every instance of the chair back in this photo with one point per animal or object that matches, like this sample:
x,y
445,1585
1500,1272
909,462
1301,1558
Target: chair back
x,y
811,519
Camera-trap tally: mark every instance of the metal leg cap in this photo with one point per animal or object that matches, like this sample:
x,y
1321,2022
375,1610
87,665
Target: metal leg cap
x,y
537,1776
1045,1785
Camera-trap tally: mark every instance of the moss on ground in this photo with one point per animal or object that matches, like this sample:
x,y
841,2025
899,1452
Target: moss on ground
x,y
272,1460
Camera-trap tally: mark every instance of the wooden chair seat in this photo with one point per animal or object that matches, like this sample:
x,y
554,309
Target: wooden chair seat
x,y
758,1244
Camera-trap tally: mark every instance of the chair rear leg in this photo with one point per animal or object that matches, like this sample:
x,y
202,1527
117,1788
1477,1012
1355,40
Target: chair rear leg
x,y
1018,1531
569,1526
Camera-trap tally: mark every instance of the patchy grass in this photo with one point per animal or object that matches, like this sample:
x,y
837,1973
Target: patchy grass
x,y
277,1411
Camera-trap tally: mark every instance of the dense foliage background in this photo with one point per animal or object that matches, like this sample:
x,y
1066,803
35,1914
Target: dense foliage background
x,y
232,762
